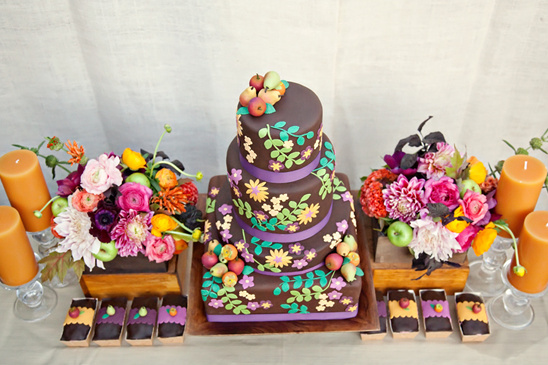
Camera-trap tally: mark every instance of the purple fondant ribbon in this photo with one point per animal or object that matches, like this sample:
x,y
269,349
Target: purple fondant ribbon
x,y
165,317
292,273
116,318
284,238
279,317
149,319
428,308
280,177
381,308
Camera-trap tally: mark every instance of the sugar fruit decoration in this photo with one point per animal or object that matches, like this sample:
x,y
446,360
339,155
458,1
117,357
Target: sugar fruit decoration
x,y
223,262
346,259
261,95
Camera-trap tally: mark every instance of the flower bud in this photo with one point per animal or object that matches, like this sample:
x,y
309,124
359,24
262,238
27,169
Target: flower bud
x,y
199,176
535,143
519,270
499,165
167,127
54,144
51,161
522,151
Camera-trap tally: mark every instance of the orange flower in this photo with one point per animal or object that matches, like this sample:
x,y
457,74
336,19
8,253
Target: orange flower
x,y
76,152
134,160
172,200
484,239
478,172
457,226
166,178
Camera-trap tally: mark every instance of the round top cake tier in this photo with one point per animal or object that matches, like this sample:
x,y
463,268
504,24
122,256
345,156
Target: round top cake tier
x,y
287,140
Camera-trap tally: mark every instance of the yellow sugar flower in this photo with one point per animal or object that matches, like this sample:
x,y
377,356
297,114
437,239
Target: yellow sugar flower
x,y
484,239
278,258
478,172
257,190
457,226
308,214
133,159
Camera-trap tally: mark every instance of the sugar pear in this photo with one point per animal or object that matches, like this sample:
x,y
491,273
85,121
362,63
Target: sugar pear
x,y
270,96
351,241
343,249
218,270
348,271
247,95
271,80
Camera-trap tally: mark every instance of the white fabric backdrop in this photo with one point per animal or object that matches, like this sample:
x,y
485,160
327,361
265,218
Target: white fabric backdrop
x,y
110,73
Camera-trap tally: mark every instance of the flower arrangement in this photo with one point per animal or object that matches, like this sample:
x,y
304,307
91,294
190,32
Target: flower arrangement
x,y
118,206
435,200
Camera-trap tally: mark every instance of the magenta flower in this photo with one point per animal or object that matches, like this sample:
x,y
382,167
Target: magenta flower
x,y
216,303
334,295
247,282
394,164
252,305
159,249
225,209
433,164
225,235
403,198
299,264
68,185
134,196
347,196
247,257
466,237
443,191
342,226
131,232
337,283
474,205
235,176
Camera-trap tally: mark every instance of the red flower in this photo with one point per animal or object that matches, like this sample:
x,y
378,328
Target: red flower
x,y
371,192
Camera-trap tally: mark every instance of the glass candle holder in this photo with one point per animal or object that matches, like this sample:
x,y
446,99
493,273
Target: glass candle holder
x,y
45,241
34,300
485,275
513,309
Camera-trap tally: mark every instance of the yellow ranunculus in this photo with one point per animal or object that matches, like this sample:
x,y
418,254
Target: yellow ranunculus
x,y
133,159
161,223
484,239
478,172
166,178
457,226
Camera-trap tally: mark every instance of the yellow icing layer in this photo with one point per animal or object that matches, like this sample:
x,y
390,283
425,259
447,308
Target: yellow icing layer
x,y
85,317
397,312
465,313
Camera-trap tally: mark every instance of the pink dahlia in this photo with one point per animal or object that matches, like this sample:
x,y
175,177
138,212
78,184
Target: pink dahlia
x,y
131,232
433,164
404,198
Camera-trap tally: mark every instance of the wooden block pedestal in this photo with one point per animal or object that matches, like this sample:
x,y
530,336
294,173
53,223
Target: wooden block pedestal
x,y
392,267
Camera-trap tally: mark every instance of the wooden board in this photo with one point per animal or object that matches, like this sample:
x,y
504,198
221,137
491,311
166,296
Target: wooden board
x,y
366,320
395,272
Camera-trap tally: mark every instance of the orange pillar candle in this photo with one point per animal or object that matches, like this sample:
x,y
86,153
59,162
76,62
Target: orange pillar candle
x,y
533,254
519,186
26,187
18,265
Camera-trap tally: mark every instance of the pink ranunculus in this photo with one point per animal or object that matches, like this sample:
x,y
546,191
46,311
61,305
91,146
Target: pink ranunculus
x,y
159,249
85,202
134,196
466,237
474,205
99,175
443,191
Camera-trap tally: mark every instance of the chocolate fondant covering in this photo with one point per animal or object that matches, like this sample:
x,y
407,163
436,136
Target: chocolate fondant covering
x,y
172,329
299,106
470,328
403,324
141,331
108,330
78,332
436,324
382,317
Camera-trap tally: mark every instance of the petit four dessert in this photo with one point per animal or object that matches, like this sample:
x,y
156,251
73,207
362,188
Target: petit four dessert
x,y
110,321
381,310
435,313
172,319
79,322
472,315
403,313
142,321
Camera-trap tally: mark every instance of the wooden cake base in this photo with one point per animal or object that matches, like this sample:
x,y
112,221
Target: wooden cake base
x,y
366,319
392,266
